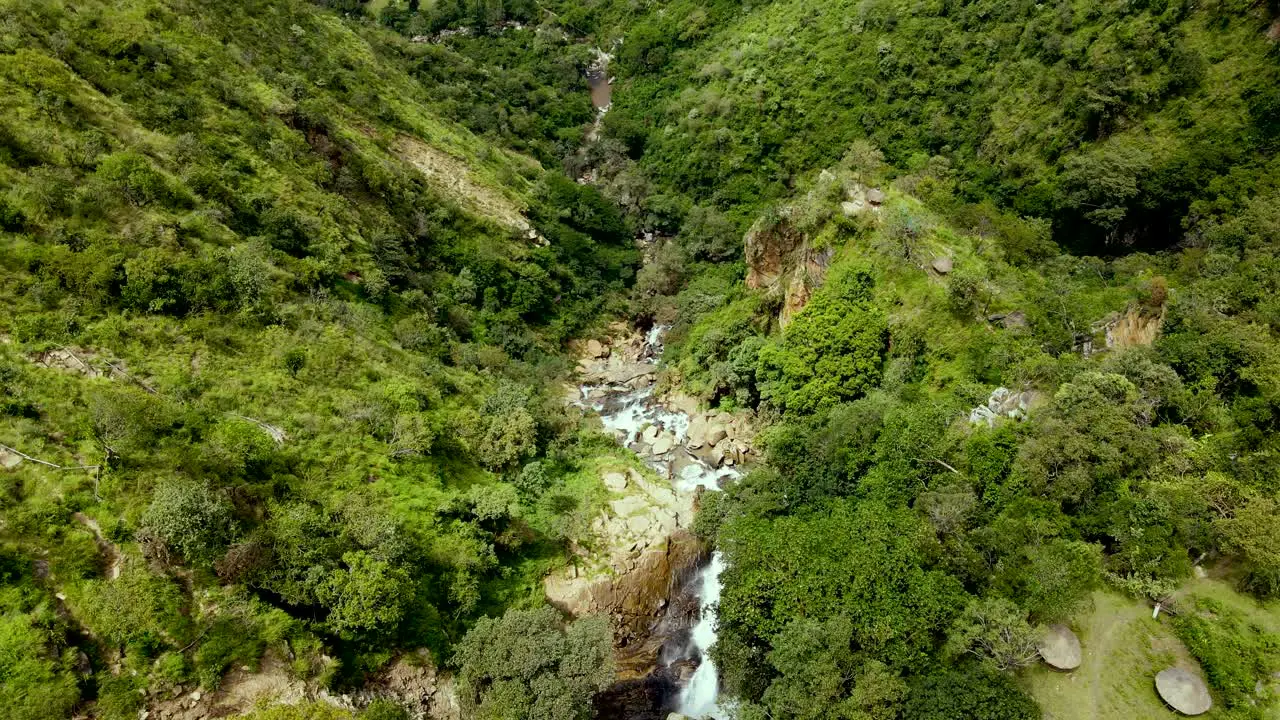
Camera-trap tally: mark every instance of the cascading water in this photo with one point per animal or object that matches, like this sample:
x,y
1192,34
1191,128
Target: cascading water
x,y
627,411
700,696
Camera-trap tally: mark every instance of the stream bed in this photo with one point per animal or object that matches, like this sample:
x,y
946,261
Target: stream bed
x,y
628,408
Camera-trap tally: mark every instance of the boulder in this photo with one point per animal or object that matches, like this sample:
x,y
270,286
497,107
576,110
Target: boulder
x,y
9,460
1015,319
650,434
597,349
1184,691
852,207
715,433
628,505
664,443
696,436
1059,647
875,196
616,482
624,374
943,265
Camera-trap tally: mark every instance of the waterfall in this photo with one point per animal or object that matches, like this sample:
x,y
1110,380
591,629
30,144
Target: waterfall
x,y
626,411
699,698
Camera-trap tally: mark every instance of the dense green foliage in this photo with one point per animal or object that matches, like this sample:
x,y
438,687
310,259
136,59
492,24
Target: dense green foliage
x,y
1116,120
289,283
278,345
524,665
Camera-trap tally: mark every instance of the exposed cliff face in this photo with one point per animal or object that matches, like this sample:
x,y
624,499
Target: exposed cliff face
x,y
782,260
645,553
770,248
1137,326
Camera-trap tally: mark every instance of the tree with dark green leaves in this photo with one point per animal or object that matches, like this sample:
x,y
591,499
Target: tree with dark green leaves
x,y
970,692
830,353
531,664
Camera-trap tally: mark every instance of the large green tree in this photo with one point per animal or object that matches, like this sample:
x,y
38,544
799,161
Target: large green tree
x,y
529,664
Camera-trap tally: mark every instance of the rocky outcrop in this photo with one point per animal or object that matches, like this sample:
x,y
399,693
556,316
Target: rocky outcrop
x,y
1003,403
643,551
780,259
770,247
415,684
716,438
1136,326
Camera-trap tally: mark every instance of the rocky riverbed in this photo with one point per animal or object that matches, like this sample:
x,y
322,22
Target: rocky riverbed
x,y
647,571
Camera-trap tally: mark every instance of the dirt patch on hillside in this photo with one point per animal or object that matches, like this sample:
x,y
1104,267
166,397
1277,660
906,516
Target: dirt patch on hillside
x,y
454,178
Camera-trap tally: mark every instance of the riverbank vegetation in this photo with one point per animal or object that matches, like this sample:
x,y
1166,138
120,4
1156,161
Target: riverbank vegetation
x,y
289,286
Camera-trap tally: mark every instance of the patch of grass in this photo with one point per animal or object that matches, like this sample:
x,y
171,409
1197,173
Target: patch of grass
x,y
1123,650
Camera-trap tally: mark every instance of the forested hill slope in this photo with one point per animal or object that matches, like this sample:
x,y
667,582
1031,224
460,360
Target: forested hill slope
x,y
1119,121
274,329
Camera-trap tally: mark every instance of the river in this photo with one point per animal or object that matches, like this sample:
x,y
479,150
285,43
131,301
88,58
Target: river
x,y
627,412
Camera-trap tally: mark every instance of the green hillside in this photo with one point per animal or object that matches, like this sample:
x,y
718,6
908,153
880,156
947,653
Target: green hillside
x,y
275,351
290,288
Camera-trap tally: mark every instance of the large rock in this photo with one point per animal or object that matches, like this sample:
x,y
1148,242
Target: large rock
x,y
943,265
597,349
875,196
623,374
1184,691
663,444
1060,647
715,433
9,460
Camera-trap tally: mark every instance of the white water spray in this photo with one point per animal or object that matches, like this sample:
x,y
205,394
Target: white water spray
x,y
700,696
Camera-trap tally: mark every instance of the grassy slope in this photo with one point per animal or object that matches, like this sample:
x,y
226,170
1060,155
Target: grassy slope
x,y
273,129
1123,650
1012,94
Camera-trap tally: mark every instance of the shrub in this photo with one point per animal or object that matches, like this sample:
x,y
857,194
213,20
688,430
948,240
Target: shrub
x,y
830,353
191,520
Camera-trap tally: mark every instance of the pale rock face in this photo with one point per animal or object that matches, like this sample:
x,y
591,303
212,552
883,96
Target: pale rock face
x,y
663,444
1003,403
716,433
943,265
9,460
624,507
617,482
875,196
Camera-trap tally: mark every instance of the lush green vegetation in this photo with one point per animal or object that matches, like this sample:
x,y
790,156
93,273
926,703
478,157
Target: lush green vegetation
x,y
1117,121
289,284
270,383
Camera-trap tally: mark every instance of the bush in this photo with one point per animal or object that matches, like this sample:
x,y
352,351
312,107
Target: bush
x,y
831,352
528,665
970,693
191,520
